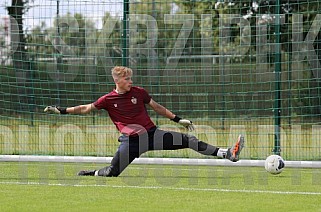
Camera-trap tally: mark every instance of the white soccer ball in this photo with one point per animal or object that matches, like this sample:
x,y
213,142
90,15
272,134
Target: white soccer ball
x,y
274,164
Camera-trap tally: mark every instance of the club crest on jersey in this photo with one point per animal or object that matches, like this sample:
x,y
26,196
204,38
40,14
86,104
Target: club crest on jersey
x,y
115,105
134,100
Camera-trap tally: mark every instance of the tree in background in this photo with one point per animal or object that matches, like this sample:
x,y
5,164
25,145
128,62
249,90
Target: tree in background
x,y
39,42
20,60
157,10
73,31
16,11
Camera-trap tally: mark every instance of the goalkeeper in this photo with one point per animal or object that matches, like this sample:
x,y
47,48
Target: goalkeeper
x,y
126,106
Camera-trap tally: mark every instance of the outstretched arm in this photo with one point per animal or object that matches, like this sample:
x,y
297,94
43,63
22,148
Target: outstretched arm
x,y
161,110
80,109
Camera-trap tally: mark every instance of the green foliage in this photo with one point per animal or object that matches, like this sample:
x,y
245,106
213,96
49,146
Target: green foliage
x,y
38,41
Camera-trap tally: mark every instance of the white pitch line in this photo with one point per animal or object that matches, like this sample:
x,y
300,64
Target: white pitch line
x,y
170,188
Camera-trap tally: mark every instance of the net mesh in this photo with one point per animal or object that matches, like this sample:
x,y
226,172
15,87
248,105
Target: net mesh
x,y
228,66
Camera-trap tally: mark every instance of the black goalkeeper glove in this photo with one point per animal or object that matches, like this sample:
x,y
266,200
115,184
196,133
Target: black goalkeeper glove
x,y
55,109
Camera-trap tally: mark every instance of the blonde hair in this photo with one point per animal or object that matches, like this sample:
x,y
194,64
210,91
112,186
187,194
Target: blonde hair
x,y
121,71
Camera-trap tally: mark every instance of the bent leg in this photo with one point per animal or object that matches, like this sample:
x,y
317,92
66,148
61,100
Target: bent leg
x,y
125,154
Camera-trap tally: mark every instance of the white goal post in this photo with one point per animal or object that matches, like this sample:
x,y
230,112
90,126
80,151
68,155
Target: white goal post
x,y
156,161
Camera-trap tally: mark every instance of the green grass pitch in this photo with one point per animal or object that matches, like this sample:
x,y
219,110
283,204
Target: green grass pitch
x,y
36,186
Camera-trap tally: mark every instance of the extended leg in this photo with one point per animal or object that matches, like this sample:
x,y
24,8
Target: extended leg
x,y
125,154
120,161
173,140
169,140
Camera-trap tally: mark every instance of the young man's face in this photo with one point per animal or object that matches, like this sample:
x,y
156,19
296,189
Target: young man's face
x,y
123,84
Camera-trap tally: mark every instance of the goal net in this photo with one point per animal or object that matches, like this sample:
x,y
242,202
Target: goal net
x,y
232,67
